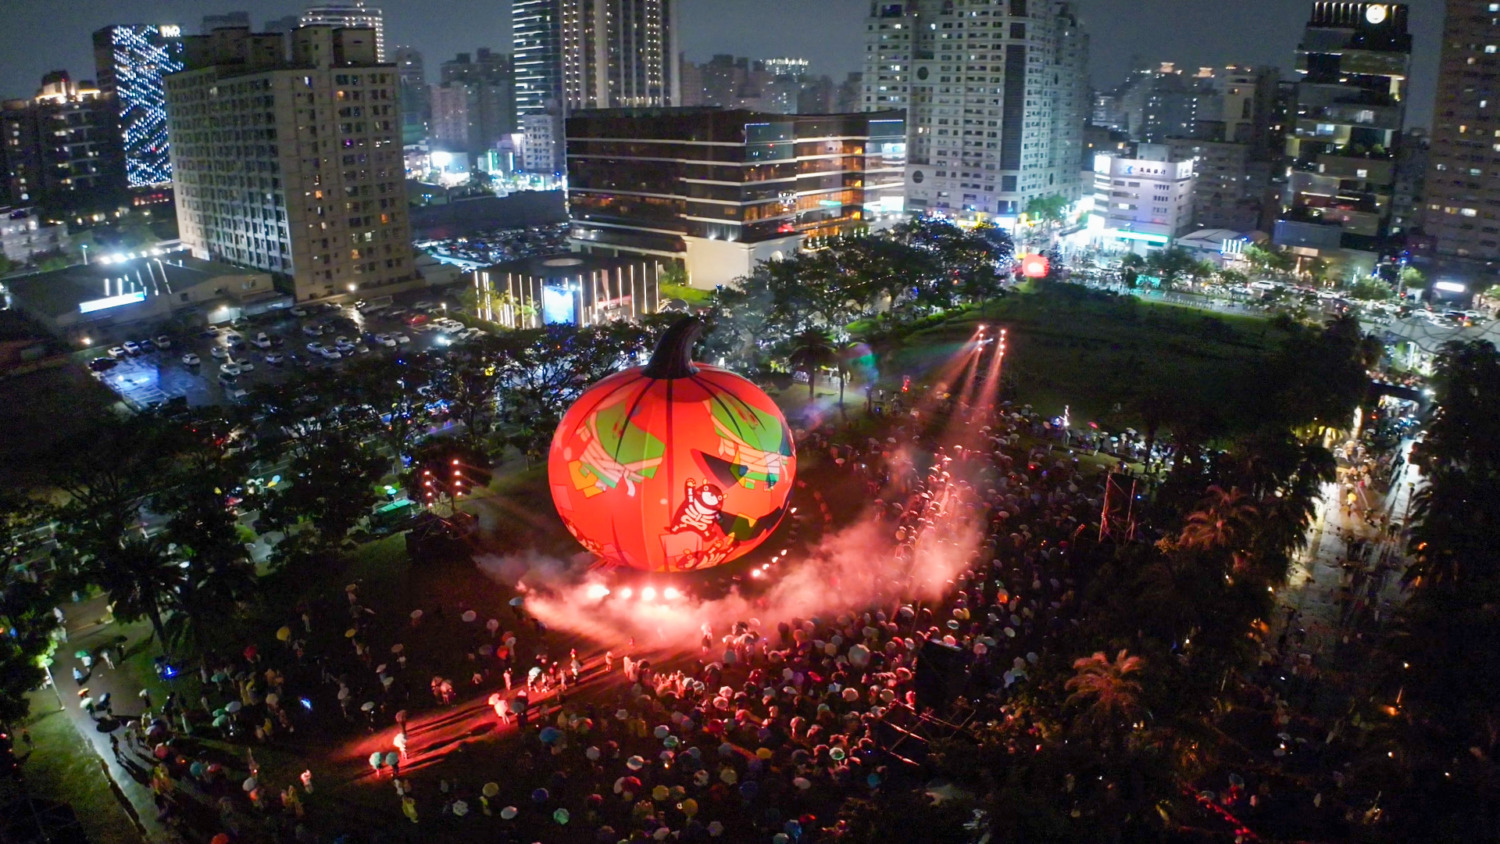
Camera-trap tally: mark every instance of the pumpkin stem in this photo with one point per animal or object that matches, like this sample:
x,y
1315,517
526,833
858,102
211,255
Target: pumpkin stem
x,y
673,357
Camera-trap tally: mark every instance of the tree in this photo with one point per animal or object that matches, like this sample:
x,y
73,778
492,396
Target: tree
x,y
332,486
203,529
1050,209
1222,519
1104,691
1231,277
26,614
141,579
811,352
393,391
1370,290
1174,263
469,379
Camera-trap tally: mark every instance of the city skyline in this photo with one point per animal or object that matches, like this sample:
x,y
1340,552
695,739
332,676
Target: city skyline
x,y
1223,32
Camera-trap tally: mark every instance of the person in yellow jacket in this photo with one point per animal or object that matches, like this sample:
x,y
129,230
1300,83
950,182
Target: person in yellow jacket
x,y
409,808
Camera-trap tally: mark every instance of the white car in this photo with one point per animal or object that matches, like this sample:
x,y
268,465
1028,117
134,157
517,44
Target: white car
x,y
190,359
244,365
232,338
231,369
329,354
261,341
313,330
132,347
385,340
343,345
118,352
471,333
299,311
163,342
219,352
401,339
423,306
274,358
315,348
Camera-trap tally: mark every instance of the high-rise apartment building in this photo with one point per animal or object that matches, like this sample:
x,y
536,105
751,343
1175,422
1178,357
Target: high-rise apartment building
x,y
292,166
480,97
131,62
1462,201
1353,62
61,152
348,13
722,190
416,99
996,98
577,54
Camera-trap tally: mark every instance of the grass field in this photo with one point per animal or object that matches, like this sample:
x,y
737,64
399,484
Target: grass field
x,y
1096,352
64,768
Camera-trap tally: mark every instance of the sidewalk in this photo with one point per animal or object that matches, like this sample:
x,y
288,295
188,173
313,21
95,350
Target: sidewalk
x,y
130,778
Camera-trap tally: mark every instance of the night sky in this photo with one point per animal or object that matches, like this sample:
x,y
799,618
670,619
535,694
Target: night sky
x,y
41,35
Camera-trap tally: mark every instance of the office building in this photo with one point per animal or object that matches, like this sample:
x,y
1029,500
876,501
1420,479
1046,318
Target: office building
x,y
580,54
416,99
1231,186
1408,207
1353,65
995,103
723,190
1462,201
62,152
293,166
348,13
542,143
131,62
24,236
1142,200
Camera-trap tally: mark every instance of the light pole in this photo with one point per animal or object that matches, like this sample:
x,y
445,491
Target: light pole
x,y
85,248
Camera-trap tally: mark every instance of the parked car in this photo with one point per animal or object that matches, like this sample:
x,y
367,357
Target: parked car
x,y
231,368
275,358
233,339
211,331
146,346
163,342
237,393
132,347
395,312
219,352
227,379
190,359
329,354
423,305
385,340
299,311
416,319
401,339
117,352
245,365
315,348
261,341
343,344
103,364
313,330
293,357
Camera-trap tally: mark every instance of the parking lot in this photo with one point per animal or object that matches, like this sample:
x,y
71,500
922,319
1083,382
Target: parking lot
x,y
157,376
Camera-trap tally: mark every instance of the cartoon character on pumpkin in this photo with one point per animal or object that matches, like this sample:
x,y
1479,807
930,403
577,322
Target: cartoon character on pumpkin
x,y
695,539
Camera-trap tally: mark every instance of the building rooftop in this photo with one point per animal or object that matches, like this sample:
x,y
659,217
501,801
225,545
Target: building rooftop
x,y
562,265
103,285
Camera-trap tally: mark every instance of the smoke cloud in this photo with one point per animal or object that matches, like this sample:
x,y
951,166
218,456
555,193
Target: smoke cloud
x,y
859,567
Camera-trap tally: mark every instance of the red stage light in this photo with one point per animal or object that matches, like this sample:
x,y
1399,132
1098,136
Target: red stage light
x,y
1035,266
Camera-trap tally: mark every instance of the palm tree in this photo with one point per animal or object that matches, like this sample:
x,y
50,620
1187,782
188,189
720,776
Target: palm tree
x,y
811,351
142,580
1104,689
1224,514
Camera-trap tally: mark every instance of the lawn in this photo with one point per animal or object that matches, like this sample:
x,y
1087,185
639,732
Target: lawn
x,y
64,768
1094,352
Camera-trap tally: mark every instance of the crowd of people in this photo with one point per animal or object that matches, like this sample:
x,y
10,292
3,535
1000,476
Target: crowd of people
x,y
757,731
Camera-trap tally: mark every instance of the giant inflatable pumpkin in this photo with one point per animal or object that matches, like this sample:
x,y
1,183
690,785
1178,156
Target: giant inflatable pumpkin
x,y
673,466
